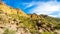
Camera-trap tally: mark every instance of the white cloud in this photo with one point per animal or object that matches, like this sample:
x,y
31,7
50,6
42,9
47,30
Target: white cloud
x,y
46,8
28,5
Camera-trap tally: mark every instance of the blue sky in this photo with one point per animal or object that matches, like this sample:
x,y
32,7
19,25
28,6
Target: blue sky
x,y
48,7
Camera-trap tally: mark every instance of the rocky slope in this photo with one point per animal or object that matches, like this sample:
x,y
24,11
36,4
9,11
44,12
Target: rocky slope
x,y
9,10
15,21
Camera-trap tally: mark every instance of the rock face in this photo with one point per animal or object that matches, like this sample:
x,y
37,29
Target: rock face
x,y
9,10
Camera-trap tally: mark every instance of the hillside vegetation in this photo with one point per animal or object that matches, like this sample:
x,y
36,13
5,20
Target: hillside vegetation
x,y
14,21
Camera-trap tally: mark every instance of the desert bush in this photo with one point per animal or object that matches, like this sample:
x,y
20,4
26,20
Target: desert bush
x,y
7,31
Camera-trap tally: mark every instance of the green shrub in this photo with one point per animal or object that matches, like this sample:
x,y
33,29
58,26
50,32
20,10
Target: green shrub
x,y
7,31
46,32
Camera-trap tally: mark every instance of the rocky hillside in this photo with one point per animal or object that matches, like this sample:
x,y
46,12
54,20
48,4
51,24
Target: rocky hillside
x,y
15,21
9,10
